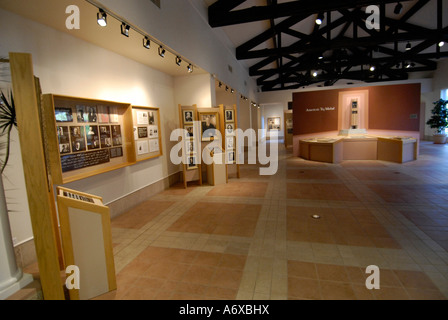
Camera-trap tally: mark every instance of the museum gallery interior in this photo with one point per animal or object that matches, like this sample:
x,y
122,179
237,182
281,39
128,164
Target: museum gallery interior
x,y
224,150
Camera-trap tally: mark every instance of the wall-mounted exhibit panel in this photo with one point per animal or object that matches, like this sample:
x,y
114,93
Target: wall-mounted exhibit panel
x,y
392,108
147,134
86,137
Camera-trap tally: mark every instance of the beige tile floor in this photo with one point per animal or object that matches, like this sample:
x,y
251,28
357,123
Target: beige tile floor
x,y
255,237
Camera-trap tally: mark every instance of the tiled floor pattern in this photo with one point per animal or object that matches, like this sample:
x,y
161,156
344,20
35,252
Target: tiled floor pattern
x,y
255,238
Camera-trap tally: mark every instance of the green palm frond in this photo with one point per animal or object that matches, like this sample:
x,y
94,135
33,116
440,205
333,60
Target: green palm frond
x,y
8,120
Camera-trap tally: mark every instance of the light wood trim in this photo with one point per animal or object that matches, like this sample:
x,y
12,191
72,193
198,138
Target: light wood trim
x,y
36,179
52,138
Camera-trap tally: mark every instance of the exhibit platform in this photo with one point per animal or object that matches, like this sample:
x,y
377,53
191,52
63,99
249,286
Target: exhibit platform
x,y
334,149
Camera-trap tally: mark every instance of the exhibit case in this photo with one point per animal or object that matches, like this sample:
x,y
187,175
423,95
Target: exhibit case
x,y
86,137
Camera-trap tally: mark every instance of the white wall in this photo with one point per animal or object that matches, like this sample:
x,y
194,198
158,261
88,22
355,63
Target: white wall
x,y
69,66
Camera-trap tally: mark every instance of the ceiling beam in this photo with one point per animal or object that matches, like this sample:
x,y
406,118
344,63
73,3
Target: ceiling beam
x,y
220,15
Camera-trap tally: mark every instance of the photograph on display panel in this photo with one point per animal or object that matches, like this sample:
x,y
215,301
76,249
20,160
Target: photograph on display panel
x,y
93,138
209,125
189,132
77,138
229,116
64,140
105,137
63,114
192,162
188,116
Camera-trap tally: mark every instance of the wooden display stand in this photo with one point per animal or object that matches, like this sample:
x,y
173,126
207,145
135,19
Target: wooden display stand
x,y
217,170
191,168
147,133
38,182
87,242
288,122
230,140
84,143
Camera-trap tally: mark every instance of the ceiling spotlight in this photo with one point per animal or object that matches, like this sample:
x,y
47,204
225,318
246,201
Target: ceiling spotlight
x,y
125,29
408,65
320,57
441,43
190,68
101,18
146,43
398,8
227,88
232,91
315,74
220,84
178,60
162,52
408,46
320,19
372,68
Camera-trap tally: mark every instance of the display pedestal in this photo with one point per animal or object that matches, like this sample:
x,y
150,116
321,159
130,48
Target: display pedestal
x,y
217,170
348,132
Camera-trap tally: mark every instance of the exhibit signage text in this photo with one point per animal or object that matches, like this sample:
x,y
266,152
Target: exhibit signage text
x,y
320,109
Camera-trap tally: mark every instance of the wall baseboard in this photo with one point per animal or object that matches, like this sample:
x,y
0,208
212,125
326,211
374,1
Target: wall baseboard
x,y
124,204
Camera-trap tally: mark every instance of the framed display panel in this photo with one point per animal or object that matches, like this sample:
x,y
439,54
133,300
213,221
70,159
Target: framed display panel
x,y
87,242
230,124
191,167
87,137
147,133
210,124
274,123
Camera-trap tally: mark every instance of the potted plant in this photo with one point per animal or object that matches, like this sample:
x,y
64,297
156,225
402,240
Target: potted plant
x,y
439,120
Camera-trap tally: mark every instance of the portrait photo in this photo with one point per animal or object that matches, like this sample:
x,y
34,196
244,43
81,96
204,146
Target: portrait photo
x,y
188,116
208,126
229,116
